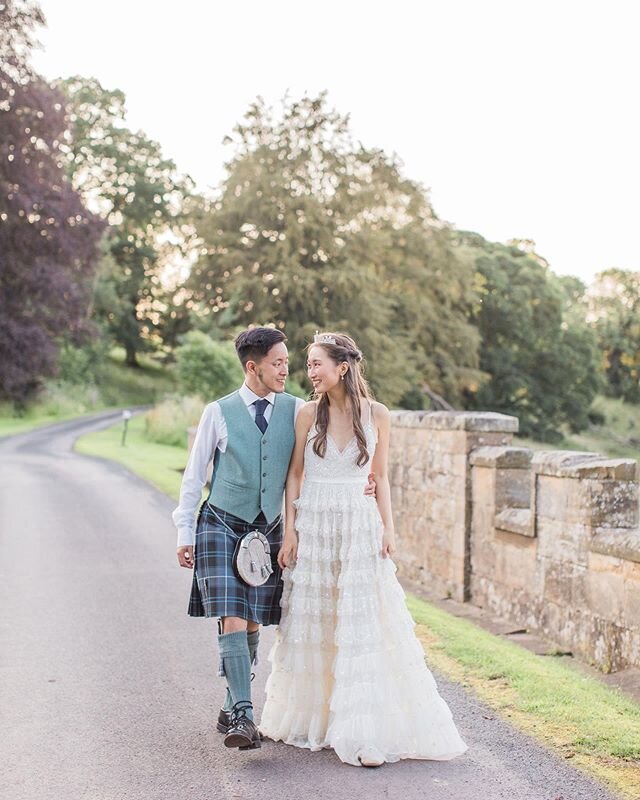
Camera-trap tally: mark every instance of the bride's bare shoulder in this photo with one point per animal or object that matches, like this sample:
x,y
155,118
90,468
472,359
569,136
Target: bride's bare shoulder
x,y
380,411
308,411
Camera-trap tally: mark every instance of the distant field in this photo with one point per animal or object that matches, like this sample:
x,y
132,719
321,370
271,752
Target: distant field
x,y
622,422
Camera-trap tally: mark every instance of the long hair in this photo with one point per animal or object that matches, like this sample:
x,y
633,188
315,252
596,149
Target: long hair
x,y
356,387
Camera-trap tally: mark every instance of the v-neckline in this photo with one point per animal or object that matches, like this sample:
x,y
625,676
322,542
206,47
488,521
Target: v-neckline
x,y
335,444
351,440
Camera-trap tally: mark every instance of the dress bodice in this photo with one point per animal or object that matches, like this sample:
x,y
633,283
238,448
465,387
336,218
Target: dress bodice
x,y
338,466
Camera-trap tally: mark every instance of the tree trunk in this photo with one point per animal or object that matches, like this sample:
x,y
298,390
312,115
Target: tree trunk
x,y
131,357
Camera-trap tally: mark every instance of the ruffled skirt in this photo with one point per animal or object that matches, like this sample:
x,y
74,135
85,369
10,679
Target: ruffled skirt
x,y
347,669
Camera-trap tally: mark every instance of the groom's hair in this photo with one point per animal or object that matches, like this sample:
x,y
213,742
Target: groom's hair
x,y
254,344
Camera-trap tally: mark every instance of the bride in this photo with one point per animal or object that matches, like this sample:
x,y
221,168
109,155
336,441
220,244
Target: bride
x,y
347,669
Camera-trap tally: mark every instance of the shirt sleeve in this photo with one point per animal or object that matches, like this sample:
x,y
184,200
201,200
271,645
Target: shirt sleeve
x,y
195,473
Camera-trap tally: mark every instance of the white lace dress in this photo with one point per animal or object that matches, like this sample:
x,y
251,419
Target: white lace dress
x,y
347,669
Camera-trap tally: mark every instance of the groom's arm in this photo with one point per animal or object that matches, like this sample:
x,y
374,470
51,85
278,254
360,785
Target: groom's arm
x,y
194,478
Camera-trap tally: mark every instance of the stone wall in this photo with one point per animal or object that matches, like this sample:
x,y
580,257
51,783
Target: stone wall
x,y
549,540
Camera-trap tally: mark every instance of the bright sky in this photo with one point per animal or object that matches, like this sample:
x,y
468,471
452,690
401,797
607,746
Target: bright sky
x,y
521,117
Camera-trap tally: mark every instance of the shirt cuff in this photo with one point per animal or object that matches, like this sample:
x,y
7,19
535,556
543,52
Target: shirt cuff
x,y
185,536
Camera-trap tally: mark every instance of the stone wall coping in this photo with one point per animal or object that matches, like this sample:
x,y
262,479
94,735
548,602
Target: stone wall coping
x,y
618,542
501,457
515,520
574,464
484,421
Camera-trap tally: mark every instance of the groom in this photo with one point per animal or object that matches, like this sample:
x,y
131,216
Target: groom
x,y
249,436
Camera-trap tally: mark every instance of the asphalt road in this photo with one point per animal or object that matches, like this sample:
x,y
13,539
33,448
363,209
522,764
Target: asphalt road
x,y
108,690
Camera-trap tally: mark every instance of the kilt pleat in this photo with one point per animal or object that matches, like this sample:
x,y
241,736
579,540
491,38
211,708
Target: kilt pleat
x,y
215,590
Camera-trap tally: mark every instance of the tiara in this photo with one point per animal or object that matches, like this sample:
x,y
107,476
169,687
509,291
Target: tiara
x,y
323,338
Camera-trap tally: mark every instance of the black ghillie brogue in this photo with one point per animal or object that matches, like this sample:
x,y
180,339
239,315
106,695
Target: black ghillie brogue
x,y
224,720
242,732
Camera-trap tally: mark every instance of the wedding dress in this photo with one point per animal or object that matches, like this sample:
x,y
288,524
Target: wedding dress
x,y
347,669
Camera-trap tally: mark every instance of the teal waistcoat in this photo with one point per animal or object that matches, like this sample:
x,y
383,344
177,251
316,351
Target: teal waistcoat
x,y
249,476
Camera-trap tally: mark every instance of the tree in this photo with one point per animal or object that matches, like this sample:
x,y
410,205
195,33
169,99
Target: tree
x,y
541,358
140,193
47,237
313,232
613,310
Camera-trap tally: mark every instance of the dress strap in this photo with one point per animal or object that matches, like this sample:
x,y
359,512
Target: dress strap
x,y
313,430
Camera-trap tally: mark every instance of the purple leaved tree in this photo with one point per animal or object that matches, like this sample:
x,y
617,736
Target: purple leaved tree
x,y
48,240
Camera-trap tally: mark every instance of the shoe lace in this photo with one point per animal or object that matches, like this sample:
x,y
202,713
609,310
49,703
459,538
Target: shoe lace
x,y
239,712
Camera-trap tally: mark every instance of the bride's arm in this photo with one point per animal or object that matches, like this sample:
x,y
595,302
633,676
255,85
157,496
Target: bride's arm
x,y
382,419
289,549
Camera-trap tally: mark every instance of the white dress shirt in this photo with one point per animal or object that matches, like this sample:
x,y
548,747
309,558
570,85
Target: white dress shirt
x,y
211,435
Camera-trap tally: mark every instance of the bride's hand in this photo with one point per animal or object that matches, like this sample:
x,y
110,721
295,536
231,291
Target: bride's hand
x,y
388,544
288,551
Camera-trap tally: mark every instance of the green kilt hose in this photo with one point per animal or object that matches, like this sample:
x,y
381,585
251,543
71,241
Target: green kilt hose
x,y
216,591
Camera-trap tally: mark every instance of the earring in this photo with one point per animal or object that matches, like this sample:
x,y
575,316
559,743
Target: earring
x,y
342,377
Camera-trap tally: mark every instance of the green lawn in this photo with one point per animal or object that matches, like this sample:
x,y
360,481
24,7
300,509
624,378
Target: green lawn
x,y
160,464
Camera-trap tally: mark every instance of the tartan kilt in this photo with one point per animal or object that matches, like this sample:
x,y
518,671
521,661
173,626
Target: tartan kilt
x,y
215,590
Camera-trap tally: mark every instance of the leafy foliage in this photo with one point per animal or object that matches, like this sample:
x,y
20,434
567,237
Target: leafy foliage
x,y
47,237
314,232
140,193
207,368
613,310
541,360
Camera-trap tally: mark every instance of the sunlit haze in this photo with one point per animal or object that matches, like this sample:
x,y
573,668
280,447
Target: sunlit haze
x,y
521,118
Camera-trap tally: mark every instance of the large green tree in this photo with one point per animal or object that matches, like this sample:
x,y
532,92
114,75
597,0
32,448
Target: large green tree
x,y
125,177
541,358
613,310
312,231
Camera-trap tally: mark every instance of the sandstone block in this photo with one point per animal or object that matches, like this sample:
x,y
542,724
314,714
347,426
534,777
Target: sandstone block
x,y
501,457
605,588
622,543
556,462
613,503
515,520
483,485
513,488
550,497
470,421
631,603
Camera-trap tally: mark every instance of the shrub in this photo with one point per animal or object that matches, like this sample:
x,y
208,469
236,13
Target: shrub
x,y
207,368
168,422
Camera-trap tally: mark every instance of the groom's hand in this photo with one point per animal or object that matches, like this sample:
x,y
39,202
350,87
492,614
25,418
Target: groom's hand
x,y
370,488
185,556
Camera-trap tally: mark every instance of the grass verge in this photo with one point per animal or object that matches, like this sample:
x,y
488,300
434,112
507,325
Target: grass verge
x,y
119,386
160,464
574,715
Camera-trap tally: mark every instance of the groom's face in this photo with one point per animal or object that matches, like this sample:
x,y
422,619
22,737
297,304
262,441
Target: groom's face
x,y
272,370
